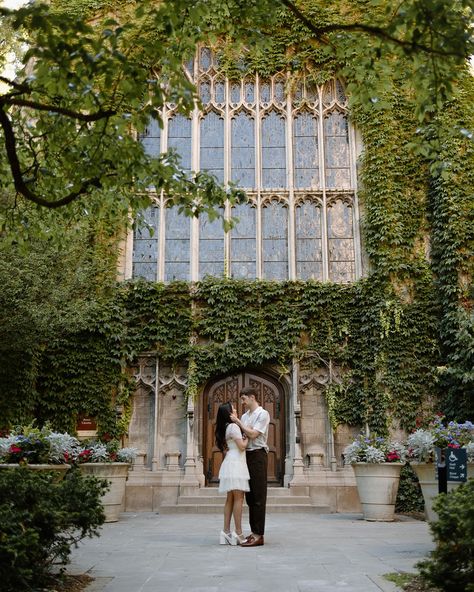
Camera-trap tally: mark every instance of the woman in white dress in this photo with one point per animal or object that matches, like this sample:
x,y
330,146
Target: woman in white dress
x,y
233,474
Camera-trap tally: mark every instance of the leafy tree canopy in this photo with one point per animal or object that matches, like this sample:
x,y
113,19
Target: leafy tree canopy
x,y
92,78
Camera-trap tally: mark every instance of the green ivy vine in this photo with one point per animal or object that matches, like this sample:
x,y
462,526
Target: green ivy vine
x,y
404,335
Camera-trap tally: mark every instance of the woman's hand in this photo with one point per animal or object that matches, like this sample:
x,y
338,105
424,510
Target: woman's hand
x,y
235,418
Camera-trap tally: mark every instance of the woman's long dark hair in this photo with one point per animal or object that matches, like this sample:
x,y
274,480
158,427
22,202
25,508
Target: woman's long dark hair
x,y
222,421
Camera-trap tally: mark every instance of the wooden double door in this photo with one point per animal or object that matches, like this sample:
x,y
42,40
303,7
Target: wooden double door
x,y
270,396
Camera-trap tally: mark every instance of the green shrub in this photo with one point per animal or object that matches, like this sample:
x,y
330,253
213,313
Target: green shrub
x,y
40,520
451,564
409,497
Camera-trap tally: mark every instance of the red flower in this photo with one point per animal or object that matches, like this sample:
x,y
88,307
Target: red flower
x,y
392,455
14,449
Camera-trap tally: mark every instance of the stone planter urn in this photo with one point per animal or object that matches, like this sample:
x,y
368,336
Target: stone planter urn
x,y
59,471
377,484
116,473
426,473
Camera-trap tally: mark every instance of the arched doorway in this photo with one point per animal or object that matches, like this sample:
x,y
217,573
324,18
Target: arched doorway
x,y
270,396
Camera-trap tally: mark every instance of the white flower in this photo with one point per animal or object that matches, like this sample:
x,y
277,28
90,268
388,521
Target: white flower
x,y
127,454
352,452
470,452
421,445
61,444
374,455
98,453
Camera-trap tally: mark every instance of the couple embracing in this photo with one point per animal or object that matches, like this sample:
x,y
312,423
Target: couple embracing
x,y
244,468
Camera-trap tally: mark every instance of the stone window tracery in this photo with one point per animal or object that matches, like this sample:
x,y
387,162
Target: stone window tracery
x,y
294,154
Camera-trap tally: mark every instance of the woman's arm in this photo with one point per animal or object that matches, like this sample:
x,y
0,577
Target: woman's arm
x,y
242,443
249,432
240,439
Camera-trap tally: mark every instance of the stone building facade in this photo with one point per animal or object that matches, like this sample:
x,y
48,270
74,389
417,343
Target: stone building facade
x,y
295,153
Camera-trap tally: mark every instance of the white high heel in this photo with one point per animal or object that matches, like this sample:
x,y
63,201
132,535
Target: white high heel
x,y
238,538
226,539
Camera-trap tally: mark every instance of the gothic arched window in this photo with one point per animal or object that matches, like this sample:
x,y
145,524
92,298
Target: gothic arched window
x,y
294,153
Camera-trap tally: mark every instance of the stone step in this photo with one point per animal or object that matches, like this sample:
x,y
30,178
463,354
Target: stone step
x,y
219,500
198,508
272,491
207,500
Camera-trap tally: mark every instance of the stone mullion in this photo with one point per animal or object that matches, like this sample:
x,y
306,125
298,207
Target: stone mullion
x,y
355,205
227,175
258,181
291,197
160,272
322,169
195,166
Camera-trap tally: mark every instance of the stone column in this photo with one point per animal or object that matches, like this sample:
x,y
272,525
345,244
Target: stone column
x,y
190,480
299,478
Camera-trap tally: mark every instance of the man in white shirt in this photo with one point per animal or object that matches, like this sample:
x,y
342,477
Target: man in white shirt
x,y
254,424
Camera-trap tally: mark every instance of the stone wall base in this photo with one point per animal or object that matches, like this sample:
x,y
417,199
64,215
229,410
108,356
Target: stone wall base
x,y
147,490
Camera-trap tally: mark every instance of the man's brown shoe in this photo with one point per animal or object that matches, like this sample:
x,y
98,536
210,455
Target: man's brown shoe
x,y
253,541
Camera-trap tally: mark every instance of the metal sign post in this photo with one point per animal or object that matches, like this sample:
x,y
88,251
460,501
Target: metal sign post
x,y
442,472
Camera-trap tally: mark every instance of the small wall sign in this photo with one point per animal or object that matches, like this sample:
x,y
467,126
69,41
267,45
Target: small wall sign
x,y
456,464
86,427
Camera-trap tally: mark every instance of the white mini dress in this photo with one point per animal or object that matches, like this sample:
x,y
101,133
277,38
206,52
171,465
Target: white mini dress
x,y
233,473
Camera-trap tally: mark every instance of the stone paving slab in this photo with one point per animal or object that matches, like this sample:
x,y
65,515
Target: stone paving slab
x,y
149,552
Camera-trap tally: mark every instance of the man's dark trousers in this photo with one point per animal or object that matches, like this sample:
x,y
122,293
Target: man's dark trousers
x,y
257,461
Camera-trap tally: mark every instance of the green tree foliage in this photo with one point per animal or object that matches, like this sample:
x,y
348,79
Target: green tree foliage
x,y
66,119
40,521
451,565
409,496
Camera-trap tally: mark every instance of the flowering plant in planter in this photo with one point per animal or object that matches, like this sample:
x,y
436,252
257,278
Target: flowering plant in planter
x,y
98,452
32,445
374,449
423,441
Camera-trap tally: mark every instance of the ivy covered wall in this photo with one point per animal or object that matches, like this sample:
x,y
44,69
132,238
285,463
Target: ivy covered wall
x,y
403,335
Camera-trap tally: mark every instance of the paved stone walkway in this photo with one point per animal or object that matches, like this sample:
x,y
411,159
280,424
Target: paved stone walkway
x,y
148,552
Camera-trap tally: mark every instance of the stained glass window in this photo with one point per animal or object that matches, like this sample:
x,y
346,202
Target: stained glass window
x,y
179,138
243,243
275,240
212,145
341,242
243,150
273,151
294,154
177,246
211,247
309,257
305,150
145,244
